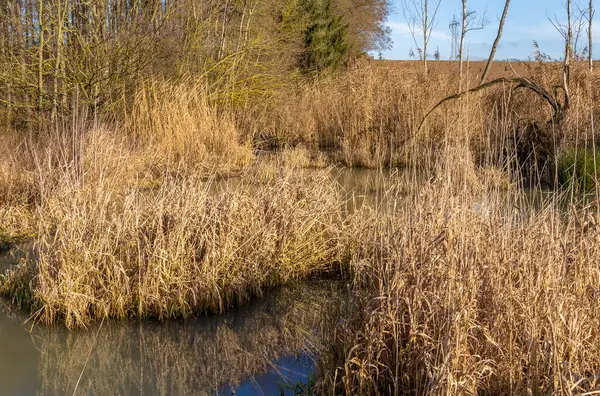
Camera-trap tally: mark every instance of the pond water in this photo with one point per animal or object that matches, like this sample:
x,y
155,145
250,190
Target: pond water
x,y
358,186
13,256
263,348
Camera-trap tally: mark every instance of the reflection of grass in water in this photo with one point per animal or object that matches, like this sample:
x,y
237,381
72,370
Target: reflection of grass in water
x,y
5,242
15,227
192,357
306,388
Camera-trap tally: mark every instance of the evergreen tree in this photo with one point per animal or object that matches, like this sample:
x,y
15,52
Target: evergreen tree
x,y
325,37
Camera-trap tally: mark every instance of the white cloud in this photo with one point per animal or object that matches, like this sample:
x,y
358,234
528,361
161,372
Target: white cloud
x,y
402,28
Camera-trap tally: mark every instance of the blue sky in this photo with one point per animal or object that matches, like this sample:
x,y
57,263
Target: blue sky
x,y
527,21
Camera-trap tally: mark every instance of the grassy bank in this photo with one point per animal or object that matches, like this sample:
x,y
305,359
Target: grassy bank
x,y
578,169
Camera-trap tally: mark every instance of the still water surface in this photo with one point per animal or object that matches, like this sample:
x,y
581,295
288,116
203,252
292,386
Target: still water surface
x,y
253,350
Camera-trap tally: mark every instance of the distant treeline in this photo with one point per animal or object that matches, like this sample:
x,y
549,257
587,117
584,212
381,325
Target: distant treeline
x,y
56,55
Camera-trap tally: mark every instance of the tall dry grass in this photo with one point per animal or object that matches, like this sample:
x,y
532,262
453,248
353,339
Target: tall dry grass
x,y
177,121
467,290
74,188
369,115
176,250
462,286
363,117
13,179
467,287
169,128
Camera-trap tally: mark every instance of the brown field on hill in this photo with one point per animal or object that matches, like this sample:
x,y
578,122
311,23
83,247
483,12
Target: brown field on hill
x,y
473,69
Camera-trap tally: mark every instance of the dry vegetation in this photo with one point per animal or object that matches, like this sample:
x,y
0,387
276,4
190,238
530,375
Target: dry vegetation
x,y
461,287
367,116
111,147
465,290
107,249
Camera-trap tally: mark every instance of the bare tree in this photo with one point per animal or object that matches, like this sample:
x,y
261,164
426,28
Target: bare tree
x,y
42,42
496,41
420,16
57,56
591,44
568,53
585,15
590,19
571,30
535,142
470,22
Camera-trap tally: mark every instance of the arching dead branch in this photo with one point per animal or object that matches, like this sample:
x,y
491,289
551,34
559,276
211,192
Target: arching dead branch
x,y
558,110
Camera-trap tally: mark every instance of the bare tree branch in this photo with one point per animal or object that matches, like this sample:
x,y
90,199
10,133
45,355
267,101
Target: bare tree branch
x,y
496,41
470,22
521,82
421,17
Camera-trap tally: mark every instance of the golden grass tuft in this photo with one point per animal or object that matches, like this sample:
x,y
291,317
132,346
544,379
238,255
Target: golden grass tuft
x,y
175,251
15,179
177,122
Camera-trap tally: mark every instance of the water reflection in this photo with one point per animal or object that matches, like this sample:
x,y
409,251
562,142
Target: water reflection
x,y
251,350
373,187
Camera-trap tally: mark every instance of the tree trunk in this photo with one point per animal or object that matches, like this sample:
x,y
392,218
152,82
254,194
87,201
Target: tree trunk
x,y
568,49
463,33
495,45
20,45
7,41
42,28
58,56
590,37
223,41
425,32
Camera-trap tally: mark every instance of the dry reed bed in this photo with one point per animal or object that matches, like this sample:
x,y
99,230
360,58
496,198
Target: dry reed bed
x,y
461,293
13,181
15,191
170,128
176,250
177,122
364,117
368,116
456,297
125,226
